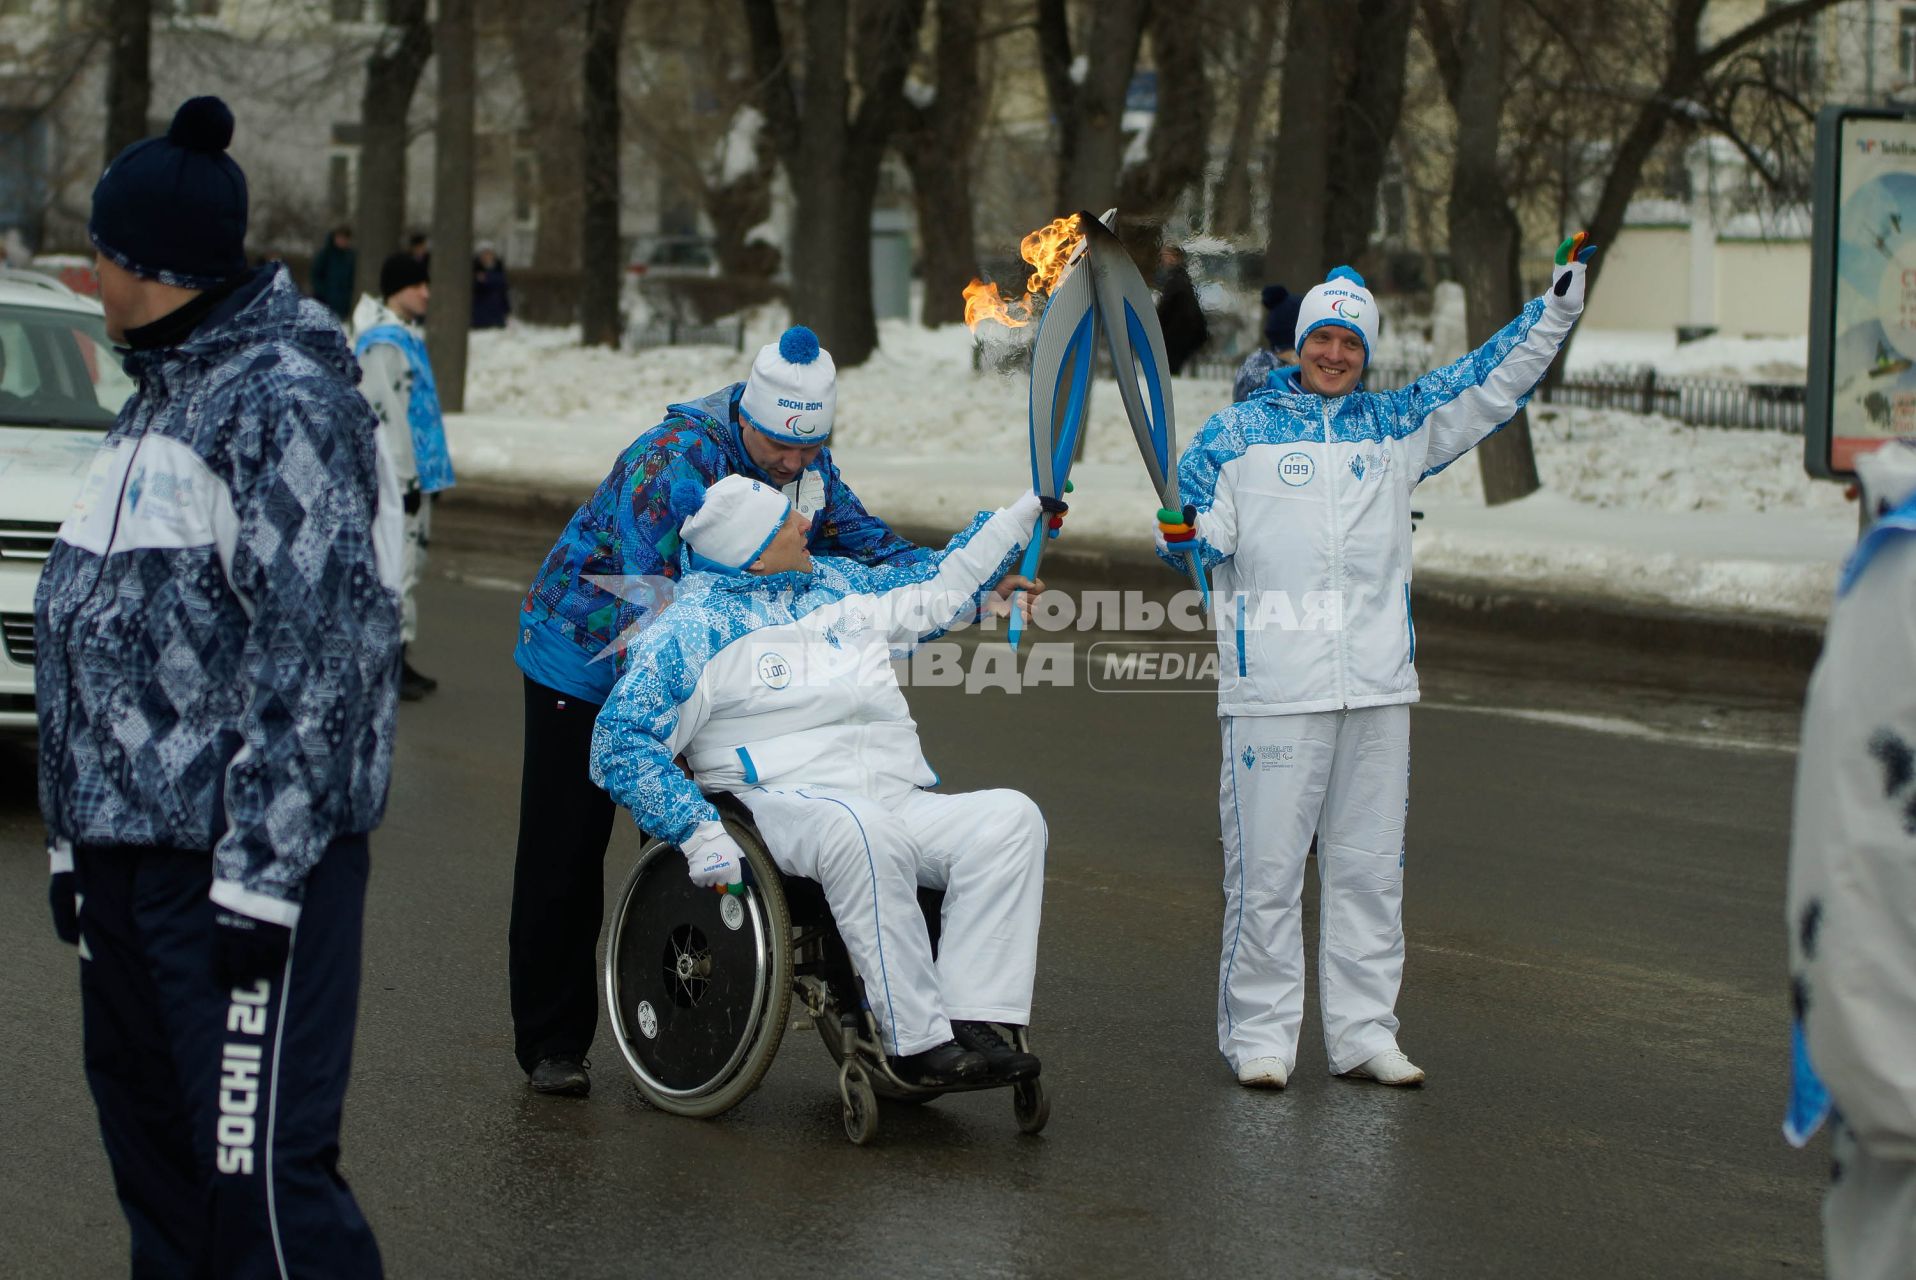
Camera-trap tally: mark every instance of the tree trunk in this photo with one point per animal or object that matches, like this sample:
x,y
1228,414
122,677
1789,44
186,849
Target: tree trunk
x,y
129,75
1300,169
1231,198
1088,177
1484,230
831,157
1179,147
392,75
936,147
544,54
599,223
818,267
451,314
1372,60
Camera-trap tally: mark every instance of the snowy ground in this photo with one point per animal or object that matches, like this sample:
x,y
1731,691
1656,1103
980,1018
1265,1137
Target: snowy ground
x,y
1634,507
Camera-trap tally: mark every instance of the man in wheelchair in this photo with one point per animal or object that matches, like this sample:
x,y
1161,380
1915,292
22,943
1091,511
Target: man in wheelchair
x,y
771,675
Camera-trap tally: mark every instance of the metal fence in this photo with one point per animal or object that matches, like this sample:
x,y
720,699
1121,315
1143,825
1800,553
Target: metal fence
x,y
1697,402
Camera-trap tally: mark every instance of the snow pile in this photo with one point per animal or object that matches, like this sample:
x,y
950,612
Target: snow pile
x,y
1634,506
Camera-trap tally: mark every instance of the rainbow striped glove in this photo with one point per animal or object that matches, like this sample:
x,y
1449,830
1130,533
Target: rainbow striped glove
x,y
1573,262
1177,530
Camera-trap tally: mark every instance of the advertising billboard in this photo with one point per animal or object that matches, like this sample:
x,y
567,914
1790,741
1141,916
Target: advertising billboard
x,y
1862,374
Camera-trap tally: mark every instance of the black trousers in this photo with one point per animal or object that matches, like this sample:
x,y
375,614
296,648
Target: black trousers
x,y
220,1107
558,882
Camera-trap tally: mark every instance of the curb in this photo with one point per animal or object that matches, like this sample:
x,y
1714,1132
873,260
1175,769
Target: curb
x,y
1442,603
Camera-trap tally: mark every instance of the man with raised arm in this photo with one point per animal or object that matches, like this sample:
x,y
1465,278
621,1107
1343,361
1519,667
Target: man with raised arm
x,y
1298,501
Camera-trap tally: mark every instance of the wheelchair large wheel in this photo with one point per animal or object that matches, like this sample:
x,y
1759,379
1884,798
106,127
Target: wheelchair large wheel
x,y
699,983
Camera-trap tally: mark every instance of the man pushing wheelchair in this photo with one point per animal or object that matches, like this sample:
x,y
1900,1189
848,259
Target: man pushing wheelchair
x,y
770,675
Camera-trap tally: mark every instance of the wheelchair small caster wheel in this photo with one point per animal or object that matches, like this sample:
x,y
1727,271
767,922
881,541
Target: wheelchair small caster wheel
x,y
861,1111
1030,1105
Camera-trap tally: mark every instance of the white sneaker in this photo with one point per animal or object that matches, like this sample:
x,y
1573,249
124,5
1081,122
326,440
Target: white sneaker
x,y
1263,1073
1388,1067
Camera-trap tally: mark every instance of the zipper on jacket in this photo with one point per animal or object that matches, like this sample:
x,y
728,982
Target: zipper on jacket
x,y
1339,640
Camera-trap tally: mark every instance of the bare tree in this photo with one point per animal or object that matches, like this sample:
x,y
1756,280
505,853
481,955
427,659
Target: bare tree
x,y
451,316
545,50
393,69
696,117
1686,65
1373,65
599,225
936,144
1340,97
1179,145
1231,197
129,75
1485,234
1300,170
831,152
1086,88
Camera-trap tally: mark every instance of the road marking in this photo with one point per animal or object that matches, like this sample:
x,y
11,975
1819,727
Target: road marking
x,y
1618,726
485,583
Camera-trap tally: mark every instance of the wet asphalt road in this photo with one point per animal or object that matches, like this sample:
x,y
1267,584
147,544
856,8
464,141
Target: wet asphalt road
x,y
1595,984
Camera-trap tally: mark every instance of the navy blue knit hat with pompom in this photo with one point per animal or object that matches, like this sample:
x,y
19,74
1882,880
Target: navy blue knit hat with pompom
x,y
173,208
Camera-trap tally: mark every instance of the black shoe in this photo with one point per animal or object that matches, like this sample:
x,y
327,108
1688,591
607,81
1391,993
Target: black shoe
x,y
412,685
562,1075
1005,1062
940,1066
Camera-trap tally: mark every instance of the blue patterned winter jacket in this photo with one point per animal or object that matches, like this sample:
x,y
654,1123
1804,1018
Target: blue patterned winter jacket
x,y
217,648
629,528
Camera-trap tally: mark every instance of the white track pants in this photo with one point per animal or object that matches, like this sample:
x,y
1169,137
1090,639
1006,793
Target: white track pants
x,y
1345,777
985,849
1869,1215
413,567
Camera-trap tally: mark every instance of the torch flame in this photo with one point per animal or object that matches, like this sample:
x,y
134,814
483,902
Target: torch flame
x,y
1048,250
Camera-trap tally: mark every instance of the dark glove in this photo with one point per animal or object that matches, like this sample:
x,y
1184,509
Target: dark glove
x,y
1573,260
1054,509
246,949
66,907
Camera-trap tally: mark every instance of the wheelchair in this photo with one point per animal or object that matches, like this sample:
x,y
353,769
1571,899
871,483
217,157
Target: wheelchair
x,y
701,985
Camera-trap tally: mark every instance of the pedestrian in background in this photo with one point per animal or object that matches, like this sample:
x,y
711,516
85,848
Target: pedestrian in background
x,y
1851,914
333,267
217,643
1180,315
390,341
1280,343
491,303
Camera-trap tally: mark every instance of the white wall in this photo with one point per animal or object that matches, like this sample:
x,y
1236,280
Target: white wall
x,y
1762,287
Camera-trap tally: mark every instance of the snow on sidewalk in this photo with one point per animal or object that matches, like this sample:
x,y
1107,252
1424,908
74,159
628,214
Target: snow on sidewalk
x,y
1634,507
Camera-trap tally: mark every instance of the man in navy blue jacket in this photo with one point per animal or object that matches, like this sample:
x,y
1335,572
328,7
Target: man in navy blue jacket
x,y
218,657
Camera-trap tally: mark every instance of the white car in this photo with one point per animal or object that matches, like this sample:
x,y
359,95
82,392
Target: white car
x,y
60,386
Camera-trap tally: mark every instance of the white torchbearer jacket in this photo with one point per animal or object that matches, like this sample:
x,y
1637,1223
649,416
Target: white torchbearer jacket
x,y
1304,516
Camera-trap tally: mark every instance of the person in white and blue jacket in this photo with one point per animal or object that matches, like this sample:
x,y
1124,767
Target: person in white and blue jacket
x,y
1298,502
390,341
217,645
770,673
1851,909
